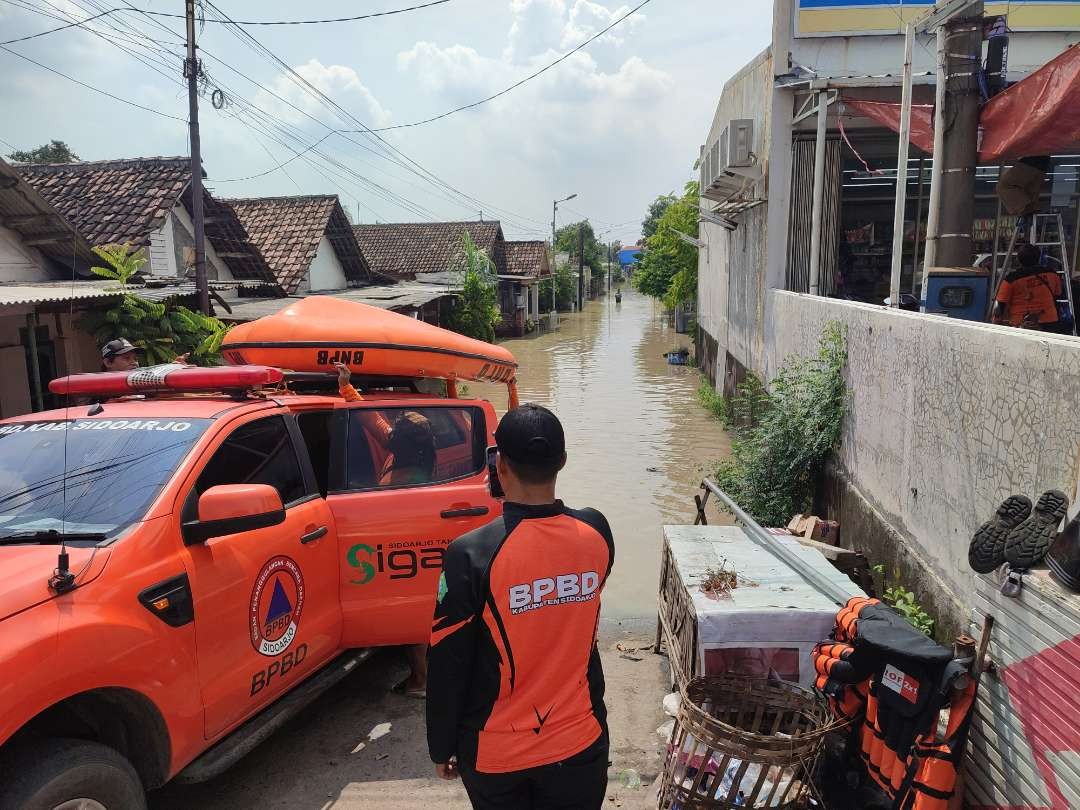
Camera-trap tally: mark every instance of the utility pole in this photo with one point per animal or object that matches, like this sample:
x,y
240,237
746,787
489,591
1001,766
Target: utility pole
x,y
901,173
581,266
956,127
191,73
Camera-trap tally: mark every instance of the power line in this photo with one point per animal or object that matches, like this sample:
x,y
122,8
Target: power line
x,y
90,86
302,22
517,84
58,28
279,166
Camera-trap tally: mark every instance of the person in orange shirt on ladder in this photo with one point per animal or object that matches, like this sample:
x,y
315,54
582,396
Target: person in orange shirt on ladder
x,y
1027,296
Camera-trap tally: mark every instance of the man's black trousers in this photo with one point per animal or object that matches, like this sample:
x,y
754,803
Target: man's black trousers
x,y
576,783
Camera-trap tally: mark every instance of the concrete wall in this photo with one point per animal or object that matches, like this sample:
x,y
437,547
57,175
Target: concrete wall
x,y
731,270
177,233
19,262
947,418
326,272
76,352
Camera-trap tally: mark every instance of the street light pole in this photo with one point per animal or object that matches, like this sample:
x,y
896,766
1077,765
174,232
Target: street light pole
x,y
554,268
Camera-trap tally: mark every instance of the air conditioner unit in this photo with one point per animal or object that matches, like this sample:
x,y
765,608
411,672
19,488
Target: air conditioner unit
x,y
729,166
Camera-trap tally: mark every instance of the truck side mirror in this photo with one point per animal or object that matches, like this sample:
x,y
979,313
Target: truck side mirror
x,y
232,509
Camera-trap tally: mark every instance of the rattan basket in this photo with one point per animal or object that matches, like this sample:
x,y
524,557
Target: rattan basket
x,y
743,742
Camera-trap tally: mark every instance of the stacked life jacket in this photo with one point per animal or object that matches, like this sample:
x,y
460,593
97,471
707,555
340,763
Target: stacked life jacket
x,y
891,682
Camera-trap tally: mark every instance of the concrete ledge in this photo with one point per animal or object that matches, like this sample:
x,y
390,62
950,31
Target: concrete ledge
x,y
865,529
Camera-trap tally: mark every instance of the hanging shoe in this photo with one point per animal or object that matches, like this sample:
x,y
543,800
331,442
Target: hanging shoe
x,y
1063,559
987,549
1028,543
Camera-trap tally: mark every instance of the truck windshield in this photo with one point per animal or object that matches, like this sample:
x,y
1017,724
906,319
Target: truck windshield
x,y
87,476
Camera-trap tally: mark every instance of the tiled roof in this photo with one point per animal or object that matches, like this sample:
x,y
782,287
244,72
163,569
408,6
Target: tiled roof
x,y
527,259
412,248
112,201
288,230
231,241
31,216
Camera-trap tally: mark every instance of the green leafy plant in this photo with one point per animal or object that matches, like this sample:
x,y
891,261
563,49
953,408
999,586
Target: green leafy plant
x,y
667,268
123,262
163,330
565,289
903,602
476,311
714,402
784,435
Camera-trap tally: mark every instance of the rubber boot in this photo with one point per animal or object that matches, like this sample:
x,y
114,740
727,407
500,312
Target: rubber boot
x,y
1063,559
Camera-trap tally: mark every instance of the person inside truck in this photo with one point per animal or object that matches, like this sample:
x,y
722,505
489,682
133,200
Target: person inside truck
x,y
407,453
1027,296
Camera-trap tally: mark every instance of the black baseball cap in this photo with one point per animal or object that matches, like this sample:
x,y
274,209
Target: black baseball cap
x,y
114,348
531,434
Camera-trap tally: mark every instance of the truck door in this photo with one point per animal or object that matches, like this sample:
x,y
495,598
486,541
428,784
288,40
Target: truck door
x,y
266,607
415,479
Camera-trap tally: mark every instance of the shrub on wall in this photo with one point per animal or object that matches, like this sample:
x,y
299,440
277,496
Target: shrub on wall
x,y
775,462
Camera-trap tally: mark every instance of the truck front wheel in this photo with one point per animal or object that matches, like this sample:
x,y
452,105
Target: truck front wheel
x,y
69,775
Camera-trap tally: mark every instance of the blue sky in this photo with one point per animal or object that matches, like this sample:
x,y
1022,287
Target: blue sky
x,y
617,123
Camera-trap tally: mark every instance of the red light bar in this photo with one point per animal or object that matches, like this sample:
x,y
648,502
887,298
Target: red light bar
x,y
166,378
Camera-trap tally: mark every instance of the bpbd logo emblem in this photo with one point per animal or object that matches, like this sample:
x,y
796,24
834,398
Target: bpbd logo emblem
x,y
277,601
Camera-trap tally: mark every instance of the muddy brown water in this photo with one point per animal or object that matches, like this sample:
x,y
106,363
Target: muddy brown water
x,y
638,441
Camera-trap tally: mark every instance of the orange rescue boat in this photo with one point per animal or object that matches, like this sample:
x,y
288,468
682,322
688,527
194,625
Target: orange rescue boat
x,y
318,331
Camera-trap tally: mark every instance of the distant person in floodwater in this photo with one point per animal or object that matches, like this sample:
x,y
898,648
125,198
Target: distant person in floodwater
x,y
1027,296
515,685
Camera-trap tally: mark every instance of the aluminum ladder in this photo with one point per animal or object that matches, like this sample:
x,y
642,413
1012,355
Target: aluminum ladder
x,y
1043,226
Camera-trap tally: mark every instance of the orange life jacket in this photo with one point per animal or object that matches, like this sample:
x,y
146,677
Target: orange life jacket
x,y
891,682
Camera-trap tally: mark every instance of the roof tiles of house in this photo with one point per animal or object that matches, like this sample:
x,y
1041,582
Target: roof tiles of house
x,y
117,201
112,201
288,230
414,248
527,259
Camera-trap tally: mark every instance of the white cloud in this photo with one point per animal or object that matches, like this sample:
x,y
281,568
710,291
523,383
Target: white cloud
x,y
339,82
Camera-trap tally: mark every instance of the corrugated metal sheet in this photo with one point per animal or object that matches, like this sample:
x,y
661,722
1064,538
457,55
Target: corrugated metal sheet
x,y
802,199
1024,750
21,294
391,296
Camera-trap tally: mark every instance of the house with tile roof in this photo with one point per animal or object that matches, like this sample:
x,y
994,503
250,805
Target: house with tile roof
x,y
308,242
147,203
432,250
526,264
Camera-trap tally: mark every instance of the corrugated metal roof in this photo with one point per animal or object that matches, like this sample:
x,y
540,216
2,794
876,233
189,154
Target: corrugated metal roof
x,y
51,292
1026,732
390,296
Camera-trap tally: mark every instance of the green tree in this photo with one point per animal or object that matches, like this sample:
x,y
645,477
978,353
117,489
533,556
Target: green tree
x,y
668,267
52,152
476,312
566,240
565,289
656,210
163,330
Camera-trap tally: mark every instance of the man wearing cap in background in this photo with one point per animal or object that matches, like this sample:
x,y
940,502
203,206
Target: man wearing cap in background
x,y
122,355
515,686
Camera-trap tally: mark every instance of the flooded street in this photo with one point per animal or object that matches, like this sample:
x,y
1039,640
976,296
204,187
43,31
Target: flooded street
x,y
637,440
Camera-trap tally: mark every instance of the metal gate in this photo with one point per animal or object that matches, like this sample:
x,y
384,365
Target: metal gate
x,y
802,202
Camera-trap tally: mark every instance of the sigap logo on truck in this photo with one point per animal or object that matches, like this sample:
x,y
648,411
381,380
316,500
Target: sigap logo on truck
x,y
277,600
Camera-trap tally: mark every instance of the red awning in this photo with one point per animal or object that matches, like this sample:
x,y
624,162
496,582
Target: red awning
x,y
888,114
1039,115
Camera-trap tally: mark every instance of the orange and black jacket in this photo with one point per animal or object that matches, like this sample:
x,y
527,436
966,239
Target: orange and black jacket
x,y
514,676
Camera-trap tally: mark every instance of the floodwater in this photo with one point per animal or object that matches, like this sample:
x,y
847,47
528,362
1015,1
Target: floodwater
x,y
638,441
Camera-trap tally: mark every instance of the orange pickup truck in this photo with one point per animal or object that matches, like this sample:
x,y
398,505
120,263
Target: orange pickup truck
x,y
182,572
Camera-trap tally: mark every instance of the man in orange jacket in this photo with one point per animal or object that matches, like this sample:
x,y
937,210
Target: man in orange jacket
x,y
515,686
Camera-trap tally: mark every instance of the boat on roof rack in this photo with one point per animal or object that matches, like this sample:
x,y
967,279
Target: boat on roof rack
x,y
316,332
